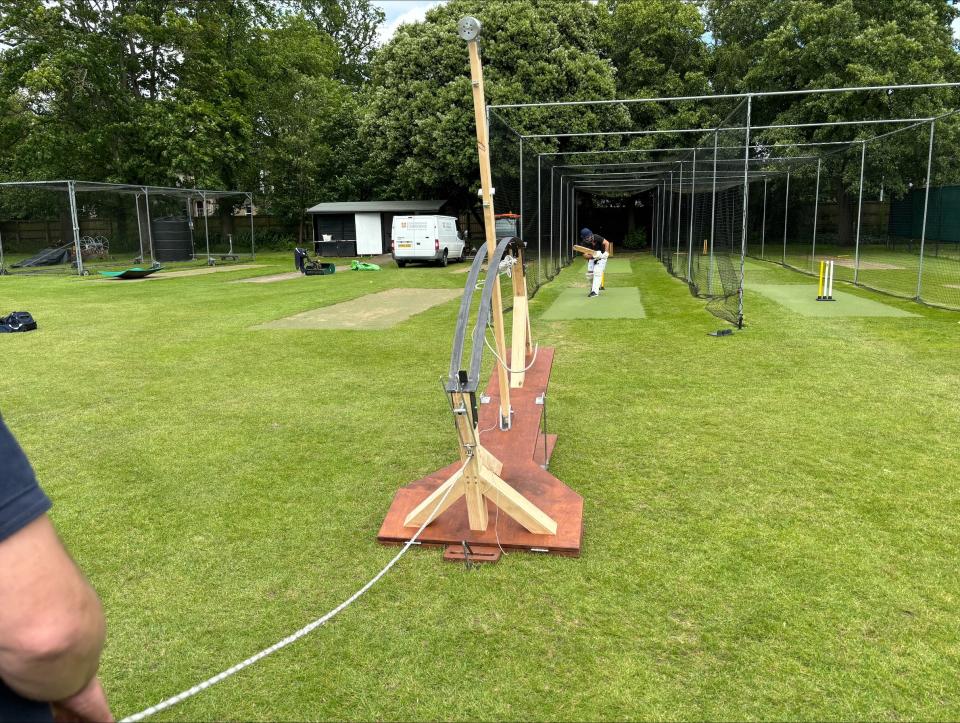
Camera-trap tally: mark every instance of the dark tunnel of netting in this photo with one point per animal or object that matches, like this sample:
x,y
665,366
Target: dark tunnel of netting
x,y
744,177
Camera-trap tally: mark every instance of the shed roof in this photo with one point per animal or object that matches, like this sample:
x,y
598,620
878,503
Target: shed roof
x,y
376,206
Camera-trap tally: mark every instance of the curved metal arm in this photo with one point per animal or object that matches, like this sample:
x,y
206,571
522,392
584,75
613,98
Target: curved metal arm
x,y
459,334
483,315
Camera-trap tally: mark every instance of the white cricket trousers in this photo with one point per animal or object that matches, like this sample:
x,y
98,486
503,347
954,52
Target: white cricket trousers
x,y
598,266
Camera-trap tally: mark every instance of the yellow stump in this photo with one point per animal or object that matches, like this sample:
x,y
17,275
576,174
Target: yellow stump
x,y
705,252
820,284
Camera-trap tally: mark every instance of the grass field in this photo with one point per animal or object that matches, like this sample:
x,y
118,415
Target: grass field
x,y
770,518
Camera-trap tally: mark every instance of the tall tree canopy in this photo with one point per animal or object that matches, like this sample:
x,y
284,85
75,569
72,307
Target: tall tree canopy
x,y
219,93
418,121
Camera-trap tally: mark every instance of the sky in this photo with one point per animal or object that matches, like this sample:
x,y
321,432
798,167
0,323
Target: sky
x,y
399,12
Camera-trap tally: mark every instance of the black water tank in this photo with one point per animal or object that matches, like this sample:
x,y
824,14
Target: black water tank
x,y
172,240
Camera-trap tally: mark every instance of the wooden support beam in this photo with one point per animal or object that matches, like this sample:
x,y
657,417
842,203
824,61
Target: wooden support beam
x,y
419,514
489,222
517,506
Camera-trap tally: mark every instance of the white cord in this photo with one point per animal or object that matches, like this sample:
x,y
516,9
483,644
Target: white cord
x,y
502,362
199,687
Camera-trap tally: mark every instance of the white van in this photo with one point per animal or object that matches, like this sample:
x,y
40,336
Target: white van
x,y
426,238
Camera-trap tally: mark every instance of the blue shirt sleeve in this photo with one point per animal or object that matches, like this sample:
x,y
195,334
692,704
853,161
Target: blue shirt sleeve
x,y
21,499
21,502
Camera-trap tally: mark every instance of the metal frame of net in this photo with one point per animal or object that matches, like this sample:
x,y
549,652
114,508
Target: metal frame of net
x,y
77,227
879,196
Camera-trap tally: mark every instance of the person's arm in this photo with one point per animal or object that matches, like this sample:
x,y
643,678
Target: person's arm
x,y
51,623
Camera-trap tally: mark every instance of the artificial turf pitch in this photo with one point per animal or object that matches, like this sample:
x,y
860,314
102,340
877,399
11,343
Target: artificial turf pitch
x,y
802,299
770,518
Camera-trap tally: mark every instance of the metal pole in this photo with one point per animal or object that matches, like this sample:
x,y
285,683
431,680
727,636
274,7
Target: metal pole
x,y
520,221
693,208
561,228
811,91
746,199
139,228
72,194
552,176
713,214
146,207
669,229
679,212
763,227
926,206
253,245
856,265
786,220
816,216
206,226
3,269
539,219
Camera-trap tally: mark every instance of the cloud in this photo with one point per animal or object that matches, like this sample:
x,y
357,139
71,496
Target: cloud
x,y
415,14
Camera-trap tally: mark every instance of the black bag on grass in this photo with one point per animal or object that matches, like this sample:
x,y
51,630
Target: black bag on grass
x,y
17,321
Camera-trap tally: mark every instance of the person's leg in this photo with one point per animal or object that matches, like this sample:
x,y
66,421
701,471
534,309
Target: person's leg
x,y
591,263
598,268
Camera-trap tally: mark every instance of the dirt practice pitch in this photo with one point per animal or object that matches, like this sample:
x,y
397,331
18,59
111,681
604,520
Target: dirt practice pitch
x,y
373,311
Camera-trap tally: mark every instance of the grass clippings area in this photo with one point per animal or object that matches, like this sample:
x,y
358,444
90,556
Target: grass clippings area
x,y
770,522
374,311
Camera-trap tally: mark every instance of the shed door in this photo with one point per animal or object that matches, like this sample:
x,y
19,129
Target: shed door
x,y
369,234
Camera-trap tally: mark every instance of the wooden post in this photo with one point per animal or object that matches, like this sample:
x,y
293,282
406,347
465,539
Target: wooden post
x,y
486,186
478,480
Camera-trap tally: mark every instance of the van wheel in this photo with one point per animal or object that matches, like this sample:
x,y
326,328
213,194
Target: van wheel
x,y
401,264
443,259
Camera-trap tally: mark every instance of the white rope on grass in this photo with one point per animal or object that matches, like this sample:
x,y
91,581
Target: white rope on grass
x,y
290,639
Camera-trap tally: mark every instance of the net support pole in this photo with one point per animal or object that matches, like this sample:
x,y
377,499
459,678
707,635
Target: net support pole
x,y
520,232
679,212
926,207
3,268
786,220
763,225
75,223
713,214
253,244
856,252
663,221
663,252
693,208
146,210
816,213
743,229
562,225
139,226
486,186
553,270
539,218
206,226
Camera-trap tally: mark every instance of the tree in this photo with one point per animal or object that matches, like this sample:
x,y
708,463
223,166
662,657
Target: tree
x,y
418,123
353,26
304,118
658,50
236,94
798,44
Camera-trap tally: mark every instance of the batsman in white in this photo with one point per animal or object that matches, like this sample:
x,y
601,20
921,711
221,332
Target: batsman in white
x,y
597,262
